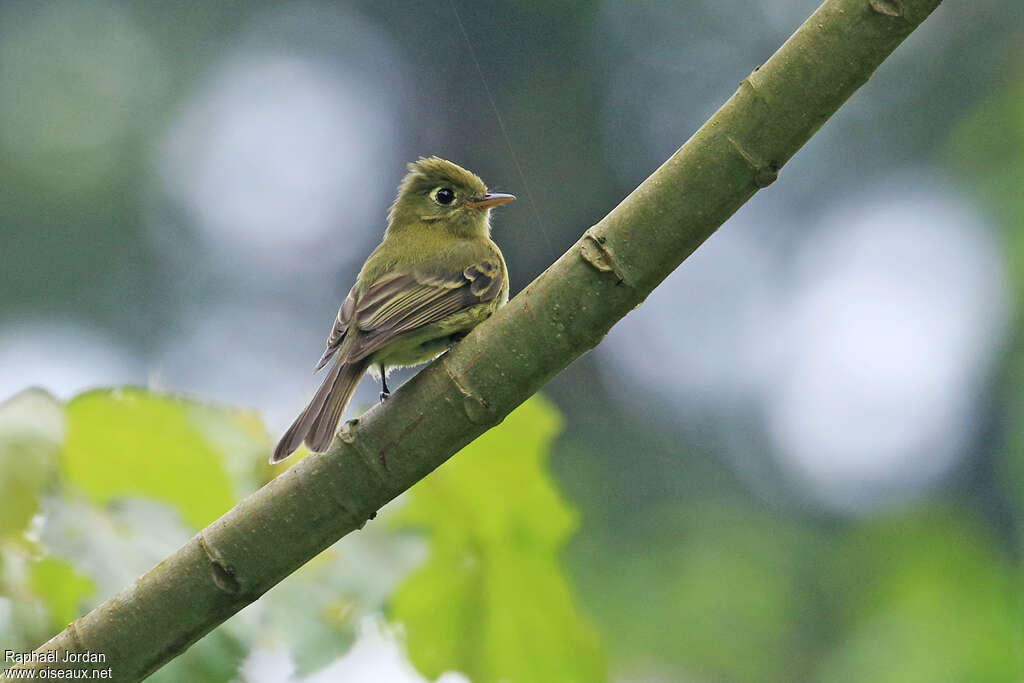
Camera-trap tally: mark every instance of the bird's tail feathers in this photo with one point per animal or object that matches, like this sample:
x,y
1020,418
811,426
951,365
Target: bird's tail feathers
x,y
317,423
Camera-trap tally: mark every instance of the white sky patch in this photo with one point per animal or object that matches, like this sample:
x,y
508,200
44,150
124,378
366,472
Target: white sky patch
x,y
857,363
377,655
283,157
695,338
64,358
898,309
279,154
218,357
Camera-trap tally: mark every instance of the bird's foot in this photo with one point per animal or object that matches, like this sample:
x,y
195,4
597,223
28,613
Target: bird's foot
x,y
385,393
455,339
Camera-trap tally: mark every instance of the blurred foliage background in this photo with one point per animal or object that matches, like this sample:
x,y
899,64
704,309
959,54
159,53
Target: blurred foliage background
x,y
801,459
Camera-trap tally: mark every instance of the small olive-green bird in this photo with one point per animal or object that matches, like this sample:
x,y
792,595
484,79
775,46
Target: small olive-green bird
x,y
436,275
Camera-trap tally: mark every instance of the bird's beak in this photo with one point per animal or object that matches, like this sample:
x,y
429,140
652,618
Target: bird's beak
x,y
489,200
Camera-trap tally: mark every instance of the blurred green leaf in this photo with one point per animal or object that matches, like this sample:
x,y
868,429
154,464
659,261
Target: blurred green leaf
x,y
241,440
1011,464
493,600
31,429
130,442
714,588
25,619
987,148
111,544
114,544
926,597
62,588
316,611
214,659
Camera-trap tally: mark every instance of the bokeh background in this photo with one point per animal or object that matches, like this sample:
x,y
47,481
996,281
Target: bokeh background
x,y
800,459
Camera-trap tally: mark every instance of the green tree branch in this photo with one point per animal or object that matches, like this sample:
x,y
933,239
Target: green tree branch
x,y
562,314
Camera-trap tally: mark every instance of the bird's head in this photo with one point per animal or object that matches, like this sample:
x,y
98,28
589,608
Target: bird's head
x,y
445,195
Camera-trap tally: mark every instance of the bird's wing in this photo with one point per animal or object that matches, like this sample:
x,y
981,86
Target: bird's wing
x,y
399,302
337,334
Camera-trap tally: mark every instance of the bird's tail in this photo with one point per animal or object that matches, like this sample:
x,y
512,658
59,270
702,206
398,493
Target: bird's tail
x,y
317,423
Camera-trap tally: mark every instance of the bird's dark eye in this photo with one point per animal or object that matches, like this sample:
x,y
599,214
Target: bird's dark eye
x,y
444,196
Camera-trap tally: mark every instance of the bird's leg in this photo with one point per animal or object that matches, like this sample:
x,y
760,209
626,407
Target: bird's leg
x,y
455,339
385,393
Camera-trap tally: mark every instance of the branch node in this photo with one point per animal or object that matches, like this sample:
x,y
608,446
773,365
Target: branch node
x,y
355,518
765,173
598,254
752,82
358,521
476,407
223,573
890,8
378,464
347,431
76,638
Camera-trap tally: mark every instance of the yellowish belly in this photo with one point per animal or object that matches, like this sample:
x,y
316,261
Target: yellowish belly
x,y
425,344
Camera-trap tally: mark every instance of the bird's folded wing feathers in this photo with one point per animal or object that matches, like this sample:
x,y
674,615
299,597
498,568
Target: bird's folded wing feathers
x,y
337,334
400,302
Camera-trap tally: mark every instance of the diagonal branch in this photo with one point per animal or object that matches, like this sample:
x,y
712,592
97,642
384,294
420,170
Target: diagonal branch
x,y
562,314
